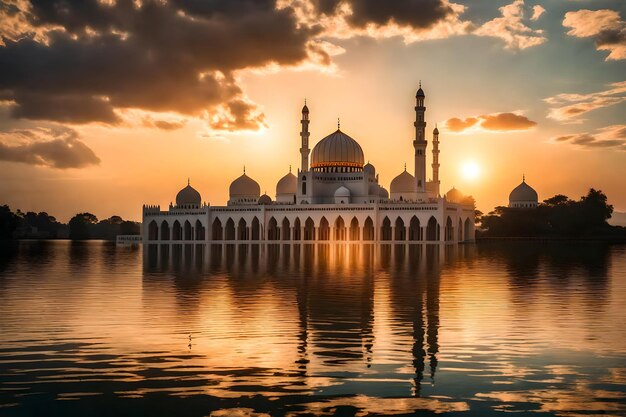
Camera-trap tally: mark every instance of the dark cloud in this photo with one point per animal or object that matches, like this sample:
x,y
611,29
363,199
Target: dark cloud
x,y
501,122
57,148
611,137
604,26
420,14
178,55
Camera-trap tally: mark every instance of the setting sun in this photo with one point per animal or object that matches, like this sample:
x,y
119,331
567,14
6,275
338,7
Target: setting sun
x,y
470,170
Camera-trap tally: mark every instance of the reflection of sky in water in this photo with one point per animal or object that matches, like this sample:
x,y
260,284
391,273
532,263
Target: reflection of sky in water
x,y
88,328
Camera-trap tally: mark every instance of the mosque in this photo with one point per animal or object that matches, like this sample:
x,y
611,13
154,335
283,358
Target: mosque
x,y
333,196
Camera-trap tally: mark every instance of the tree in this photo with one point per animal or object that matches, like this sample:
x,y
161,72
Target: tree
x,y
81,226
8,222
556,200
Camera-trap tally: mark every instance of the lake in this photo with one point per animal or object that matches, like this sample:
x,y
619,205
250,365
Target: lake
x,y
92,329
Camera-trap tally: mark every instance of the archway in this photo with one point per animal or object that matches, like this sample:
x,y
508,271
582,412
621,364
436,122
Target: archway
x,y
165,231
449,229
467,233
368,229
177,231
297,231
272,229
242,230
286,229
255,231
460,231
400,230
385,230
200,232
415,229
432,229
230,229
309,229
153,231
324,230
216,230
354,229
340,229
187,231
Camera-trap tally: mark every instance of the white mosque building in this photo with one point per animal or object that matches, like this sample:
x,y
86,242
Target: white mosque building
x,y
334,196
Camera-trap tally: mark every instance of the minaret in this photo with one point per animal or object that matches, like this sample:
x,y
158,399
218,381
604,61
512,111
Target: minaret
x,y
420,144
304,135
436,159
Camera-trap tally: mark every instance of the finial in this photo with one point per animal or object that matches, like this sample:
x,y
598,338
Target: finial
x,y
338,124
523,177
405,166
305,101
420,83
290,168
187,181
244,169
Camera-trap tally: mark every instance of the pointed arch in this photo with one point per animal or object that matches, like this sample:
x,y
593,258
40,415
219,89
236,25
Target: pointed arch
x,y
286,229
242,230
324,229
449,229
459,231
272,229
309,229
165,230
340,229
297,229
187,231
415,229
177,231
354,229
368,229
432,229
230,229
200,232
153,231
217,232
385,229
399,230
255,229
467,232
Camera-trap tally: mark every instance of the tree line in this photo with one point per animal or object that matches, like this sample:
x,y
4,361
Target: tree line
x,y
558,216
15,225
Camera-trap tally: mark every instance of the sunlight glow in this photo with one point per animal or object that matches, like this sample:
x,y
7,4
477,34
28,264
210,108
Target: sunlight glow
x,y
470,170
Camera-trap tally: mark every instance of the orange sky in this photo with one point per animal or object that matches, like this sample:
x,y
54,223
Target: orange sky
x,y
548,103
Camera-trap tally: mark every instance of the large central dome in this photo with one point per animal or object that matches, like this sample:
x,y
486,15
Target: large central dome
x,y
337,150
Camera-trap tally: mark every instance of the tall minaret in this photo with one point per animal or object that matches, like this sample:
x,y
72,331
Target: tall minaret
x,y
304,135
420,144
436,159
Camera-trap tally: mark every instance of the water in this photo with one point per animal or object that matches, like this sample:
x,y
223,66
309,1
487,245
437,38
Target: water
x,y
91,329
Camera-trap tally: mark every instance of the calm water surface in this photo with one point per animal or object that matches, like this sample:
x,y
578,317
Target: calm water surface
x,y
91,329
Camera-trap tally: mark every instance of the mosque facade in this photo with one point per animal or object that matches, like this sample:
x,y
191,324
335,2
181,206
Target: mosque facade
x,y
333,196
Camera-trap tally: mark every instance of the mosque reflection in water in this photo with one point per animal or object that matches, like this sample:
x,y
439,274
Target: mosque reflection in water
x,y
334,287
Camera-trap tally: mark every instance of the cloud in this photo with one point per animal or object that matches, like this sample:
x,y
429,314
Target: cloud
x,y
511,27
611,137
568,106
50,147
537,12
84,61
605,26
500,122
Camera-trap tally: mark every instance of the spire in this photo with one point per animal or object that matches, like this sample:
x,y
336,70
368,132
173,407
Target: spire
x,y
523,177
290,168
420,83
338,124
405,166
187,181
244,169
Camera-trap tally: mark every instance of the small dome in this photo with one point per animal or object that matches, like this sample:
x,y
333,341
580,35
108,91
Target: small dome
x,y
342,192
337,149
454,196
403,183
435,131
188,196
244,186
420,92
369,169
523,192
265,199
305,109
383,193
287,184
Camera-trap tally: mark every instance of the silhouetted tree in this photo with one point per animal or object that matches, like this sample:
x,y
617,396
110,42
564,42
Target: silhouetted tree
x,y
81,226
8,222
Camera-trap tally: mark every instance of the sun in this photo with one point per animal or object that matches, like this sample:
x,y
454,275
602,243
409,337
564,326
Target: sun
x,y
470,170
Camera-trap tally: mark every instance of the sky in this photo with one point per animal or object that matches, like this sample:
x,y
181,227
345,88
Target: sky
x,y
108,105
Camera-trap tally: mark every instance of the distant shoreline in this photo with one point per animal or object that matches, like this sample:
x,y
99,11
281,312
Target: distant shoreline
x,y
607,239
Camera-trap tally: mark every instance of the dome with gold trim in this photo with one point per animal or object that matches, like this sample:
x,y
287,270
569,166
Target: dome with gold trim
x,y
337,152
